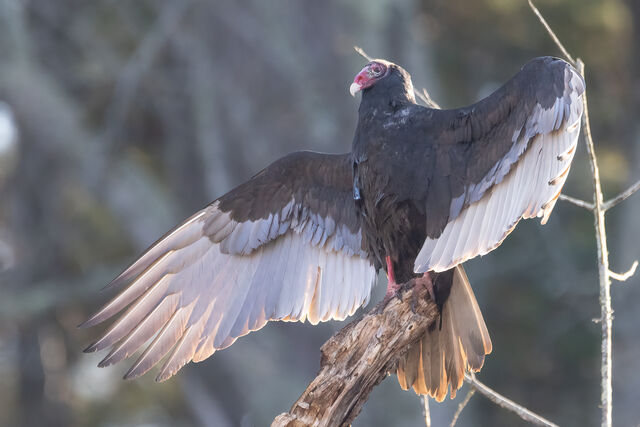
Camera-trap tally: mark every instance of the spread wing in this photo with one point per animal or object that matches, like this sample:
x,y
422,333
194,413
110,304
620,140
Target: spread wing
x,y
285,245
499,160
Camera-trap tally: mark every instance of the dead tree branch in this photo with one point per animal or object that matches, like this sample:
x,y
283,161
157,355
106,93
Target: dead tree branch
x,y
361,355
461,406
553,36
581,203
622,277
362,53
426,98
358,358
622,196
426,413
506,403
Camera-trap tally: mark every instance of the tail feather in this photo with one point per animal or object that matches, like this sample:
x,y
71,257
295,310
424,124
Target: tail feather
x,y
442,356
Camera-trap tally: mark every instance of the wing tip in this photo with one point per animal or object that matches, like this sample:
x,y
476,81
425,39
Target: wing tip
x,y
105,362
115,283
90,322
133,373
128,376
91,348
164,376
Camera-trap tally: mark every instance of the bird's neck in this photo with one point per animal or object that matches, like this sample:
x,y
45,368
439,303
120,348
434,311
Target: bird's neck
x,y
384,99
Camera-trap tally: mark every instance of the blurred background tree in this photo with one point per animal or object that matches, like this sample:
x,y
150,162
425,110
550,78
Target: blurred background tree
x,y
119,119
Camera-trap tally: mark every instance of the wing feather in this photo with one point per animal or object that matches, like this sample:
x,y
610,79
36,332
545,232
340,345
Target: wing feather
x,y
162,344
524,183
231,268
142,332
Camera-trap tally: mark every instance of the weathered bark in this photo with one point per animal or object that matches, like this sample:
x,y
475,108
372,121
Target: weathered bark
x,y
358,358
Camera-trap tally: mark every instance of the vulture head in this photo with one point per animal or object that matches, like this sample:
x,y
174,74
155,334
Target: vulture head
x,y
384,78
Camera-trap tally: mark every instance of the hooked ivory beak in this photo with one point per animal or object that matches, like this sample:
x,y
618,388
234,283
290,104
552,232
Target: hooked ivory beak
x,y
354,88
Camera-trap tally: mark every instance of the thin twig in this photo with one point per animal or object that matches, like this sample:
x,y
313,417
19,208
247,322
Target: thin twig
x,y
622,196
506,403
422,98
551,33
426,414
426,98
577,202
603,271
622,277
362,53
461,406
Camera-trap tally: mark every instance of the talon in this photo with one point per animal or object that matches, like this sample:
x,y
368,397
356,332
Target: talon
x,y
397,290
383,304
393,290
425,280
414,302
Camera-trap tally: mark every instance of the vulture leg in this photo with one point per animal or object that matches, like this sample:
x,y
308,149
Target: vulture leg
x,y
392,286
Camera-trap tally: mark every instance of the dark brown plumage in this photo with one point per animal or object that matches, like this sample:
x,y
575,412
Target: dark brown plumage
x,y
423,189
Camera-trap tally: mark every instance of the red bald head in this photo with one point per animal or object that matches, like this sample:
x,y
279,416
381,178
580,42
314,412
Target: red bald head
x,y
370,74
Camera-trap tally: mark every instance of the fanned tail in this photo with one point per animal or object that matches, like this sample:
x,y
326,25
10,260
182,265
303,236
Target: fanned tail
x,y
449,348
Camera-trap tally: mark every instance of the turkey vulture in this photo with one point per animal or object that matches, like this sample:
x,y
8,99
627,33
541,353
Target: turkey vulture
x,y
422,191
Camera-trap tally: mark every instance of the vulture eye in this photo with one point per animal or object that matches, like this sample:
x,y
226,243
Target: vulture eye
x,y
377,69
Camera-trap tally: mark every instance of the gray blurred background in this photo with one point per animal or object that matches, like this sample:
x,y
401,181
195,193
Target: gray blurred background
x,y
118,119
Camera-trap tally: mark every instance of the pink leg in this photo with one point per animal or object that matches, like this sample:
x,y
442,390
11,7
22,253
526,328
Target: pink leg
x,y
392,286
